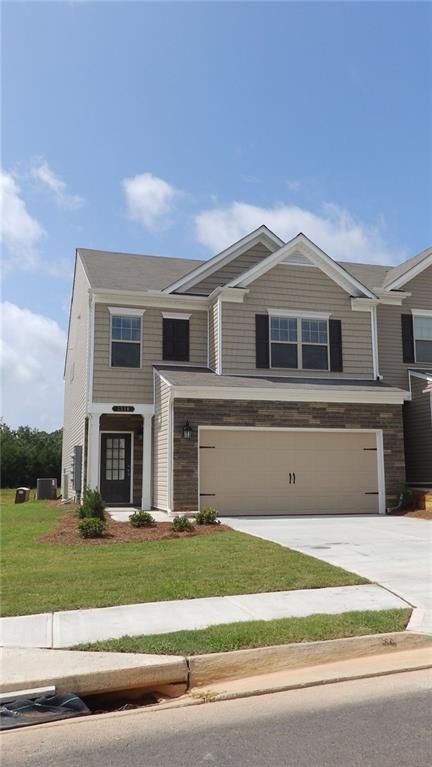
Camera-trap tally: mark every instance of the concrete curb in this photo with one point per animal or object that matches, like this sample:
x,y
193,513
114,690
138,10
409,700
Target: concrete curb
x,y
215,667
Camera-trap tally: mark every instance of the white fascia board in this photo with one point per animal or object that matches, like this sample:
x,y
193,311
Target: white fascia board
x,y
410,274
392,397
363,304
390,297
150,298
309,315
320,259
106,408
264,235
229,295
421,374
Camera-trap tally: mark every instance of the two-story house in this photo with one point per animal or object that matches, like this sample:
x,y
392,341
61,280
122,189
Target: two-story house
x,y
270,379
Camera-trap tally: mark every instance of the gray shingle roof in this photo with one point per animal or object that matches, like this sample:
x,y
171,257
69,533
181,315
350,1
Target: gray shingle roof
x,y
370,275
125,271
184,376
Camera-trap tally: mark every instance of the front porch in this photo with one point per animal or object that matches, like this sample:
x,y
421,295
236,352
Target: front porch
x,y
119,453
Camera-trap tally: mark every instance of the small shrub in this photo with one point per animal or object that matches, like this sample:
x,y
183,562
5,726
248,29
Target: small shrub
x,y
91,527
406,498
182,525
141,519
93,506
207,516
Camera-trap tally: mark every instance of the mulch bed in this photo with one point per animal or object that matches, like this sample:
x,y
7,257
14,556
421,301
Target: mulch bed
x,y
66,532
419,514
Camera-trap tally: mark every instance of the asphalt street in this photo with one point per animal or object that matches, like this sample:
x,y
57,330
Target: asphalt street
x,y
378,722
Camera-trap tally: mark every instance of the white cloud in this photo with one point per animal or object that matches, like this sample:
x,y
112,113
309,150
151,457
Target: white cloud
x,y
42,174
333,229
32,349
149,200
19,231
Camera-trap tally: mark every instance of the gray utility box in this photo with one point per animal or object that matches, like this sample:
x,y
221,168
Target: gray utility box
x,y
22,494
46,489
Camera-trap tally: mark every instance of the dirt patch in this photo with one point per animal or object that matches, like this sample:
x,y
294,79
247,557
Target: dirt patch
x,y
66,532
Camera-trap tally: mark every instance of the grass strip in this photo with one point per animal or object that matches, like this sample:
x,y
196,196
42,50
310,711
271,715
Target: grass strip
x,y
240,636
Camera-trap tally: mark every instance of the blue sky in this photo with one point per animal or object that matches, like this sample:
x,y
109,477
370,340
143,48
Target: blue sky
x,y
173,128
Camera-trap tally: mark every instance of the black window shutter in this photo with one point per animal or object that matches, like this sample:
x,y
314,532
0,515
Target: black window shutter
x,y
262,340
335,338
407,338
175,340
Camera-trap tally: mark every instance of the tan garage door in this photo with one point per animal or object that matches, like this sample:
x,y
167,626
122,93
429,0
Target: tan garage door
x,y
246,472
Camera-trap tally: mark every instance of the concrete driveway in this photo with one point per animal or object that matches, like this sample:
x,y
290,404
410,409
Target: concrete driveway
x,y
395,552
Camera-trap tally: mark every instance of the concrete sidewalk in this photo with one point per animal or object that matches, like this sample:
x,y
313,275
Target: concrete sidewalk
x,y
69,628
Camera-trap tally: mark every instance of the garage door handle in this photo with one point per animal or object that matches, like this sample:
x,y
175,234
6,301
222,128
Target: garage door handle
x,y
290,476
294,477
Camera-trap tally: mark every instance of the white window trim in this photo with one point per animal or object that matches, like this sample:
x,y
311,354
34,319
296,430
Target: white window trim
x,y
304,315
171,316
123,313
420,313
299,316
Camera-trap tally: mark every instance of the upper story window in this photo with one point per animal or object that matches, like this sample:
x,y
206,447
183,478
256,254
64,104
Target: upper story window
x,y
175,337
422,326
126,329
299,342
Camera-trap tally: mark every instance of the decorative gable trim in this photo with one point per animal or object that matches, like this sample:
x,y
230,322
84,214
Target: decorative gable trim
x,y
318,258
414,271
262,235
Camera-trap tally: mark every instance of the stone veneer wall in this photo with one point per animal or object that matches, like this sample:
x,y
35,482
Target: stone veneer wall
x,y
281,414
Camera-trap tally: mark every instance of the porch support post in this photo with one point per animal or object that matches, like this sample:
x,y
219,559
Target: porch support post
x,y
146,462
93,451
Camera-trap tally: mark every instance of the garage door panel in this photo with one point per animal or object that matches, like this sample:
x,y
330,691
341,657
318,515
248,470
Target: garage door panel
x,y
259,472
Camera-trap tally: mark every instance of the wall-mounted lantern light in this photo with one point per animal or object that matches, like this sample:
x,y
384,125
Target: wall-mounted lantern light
x,y
187,431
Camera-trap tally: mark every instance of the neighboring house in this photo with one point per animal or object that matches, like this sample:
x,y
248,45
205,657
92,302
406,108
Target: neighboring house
x,y
269,379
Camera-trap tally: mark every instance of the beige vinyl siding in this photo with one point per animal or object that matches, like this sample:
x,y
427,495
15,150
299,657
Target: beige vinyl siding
x,y
418,433
75,391
230,271
297,288
161,444
135,385
392,367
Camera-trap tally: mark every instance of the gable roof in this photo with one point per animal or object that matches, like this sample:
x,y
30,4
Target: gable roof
x,y
371,275
405,272
262,235
333,269
124,271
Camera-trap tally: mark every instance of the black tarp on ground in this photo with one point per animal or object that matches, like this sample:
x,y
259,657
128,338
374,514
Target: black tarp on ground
x,y
48,708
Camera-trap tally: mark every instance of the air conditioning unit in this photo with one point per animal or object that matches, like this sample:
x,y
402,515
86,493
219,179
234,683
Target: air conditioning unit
x,y
46,489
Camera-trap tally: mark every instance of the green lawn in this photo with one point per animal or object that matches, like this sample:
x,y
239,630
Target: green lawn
x,y
239,636
38,577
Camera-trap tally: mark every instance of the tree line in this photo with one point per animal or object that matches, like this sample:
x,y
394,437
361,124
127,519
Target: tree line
x,y
29,454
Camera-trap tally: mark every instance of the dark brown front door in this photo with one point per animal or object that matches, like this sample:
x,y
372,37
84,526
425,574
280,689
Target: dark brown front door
x,y
115,485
